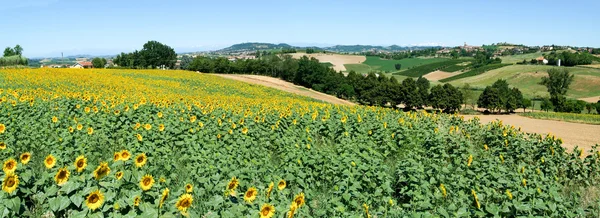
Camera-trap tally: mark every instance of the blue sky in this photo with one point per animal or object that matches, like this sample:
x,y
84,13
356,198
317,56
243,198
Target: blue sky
x,y
47,27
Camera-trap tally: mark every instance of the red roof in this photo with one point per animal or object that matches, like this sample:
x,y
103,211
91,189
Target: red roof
x,y
85,63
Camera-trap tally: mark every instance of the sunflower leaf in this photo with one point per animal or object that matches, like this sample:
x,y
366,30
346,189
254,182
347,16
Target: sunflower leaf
x,y
77,200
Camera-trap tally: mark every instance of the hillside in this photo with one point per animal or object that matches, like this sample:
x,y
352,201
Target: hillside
x,y
254,46
373,63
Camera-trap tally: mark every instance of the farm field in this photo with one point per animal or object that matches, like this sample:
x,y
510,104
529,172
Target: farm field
x,y
527,78
336,60
154,143
513,59
568,117
373,63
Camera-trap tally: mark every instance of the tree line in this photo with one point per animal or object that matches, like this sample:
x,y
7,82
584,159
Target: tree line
x,y
370,89
153,55
569,59
13,56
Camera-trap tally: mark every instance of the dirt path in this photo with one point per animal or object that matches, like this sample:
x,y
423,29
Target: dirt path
x,y
337,60
439,75
285,86
573,134
591,99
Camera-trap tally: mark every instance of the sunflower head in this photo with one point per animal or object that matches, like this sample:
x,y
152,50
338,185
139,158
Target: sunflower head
x,y
119,175
2,145
117,156
164,196
90,130
184,202
270,189
9,166
250,195
189,188
54,119
125,155
10,183
50,161
161,127
139,137
299,199
233,184
147,126
25,157
79,127
101,171
137,200
62,176
267,211
140,160
2,128
94,200
80,163
281,185
146,182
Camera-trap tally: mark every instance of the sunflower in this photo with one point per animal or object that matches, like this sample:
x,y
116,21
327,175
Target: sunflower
x,y
146,182
140,160
137,126
54,119
245,130
90,130
233,184
137,200
164,196
250,195
125,155
281,185
25,157
147,126
161,127
71,129
299,199
9,166
119,175
79,127
193,119
159,114
184,202
270,189
80,163
2,128
139,137
267,211
2,145
101,171
10,183
293,208
62,176
189,188
94,200
86,109
50,161
117,156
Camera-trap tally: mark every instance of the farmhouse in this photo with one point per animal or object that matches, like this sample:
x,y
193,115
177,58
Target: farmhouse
x,y
82,64
542,60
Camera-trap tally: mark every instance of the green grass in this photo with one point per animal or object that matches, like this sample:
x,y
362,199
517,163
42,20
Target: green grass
x,y
567,117
428,68
528,77
377,64
474,72
512,59
327,64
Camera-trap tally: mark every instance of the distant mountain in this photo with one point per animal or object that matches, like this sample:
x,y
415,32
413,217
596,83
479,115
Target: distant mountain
x,y
254,46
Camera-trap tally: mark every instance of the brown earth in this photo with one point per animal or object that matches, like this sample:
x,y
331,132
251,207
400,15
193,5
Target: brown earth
x,y
438,75
337,60
286,86
591,99
573,134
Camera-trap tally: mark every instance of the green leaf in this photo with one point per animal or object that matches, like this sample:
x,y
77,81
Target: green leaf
x,y
77,200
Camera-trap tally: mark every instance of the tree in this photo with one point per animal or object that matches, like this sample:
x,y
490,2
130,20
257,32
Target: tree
x,y
467,94
423,90
437,98
156,54
398,66
98,62
526,103
490,99
8,51
589,107
557,82
410,93
18,50
518,96
546,104
454,98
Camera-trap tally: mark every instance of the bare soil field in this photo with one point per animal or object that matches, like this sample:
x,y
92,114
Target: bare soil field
x,y
438,75
591,99
286,86
573,134
337,60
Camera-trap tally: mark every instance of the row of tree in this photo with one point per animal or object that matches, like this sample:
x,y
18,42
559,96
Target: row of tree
x,y
569,58
17,50
13,56
369,89
153,55
499,96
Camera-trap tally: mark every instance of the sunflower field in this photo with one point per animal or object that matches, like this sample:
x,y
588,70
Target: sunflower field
x,y
151,143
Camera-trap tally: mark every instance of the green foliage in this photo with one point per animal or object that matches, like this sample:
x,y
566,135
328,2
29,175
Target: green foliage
x,y
153,55
567,117
474,72
500,97
98,62
446,97
546,104
557,81
428,68
13,60
379,64
569,59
